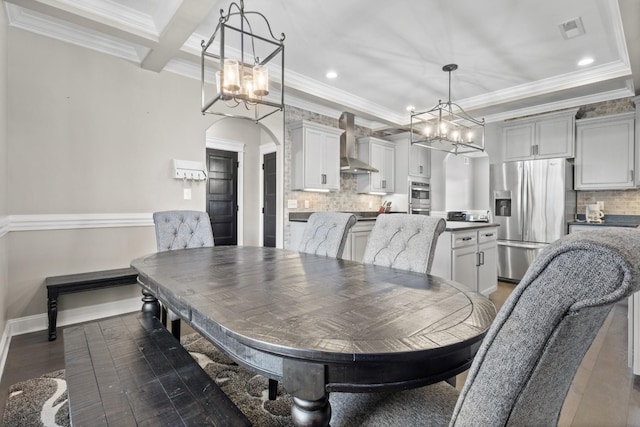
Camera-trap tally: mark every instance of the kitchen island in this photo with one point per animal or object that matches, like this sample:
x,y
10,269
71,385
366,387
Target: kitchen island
x,y
467,252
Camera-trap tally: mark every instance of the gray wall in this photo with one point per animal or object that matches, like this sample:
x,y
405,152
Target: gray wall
x,y
89,133
4,275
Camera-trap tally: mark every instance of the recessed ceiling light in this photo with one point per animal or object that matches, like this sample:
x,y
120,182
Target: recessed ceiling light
x,y
410,108
331,74
585,61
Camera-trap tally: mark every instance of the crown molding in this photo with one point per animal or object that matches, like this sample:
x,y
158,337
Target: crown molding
x,y
78,221
570,103
38,23
119,13
323,98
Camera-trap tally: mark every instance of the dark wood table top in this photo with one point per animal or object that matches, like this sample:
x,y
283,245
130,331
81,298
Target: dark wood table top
x,y
284,314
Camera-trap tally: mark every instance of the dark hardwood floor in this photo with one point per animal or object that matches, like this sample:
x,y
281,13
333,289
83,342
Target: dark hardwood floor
x,y
604,391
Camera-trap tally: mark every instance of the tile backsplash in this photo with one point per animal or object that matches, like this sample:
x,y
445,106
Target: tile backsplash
x,y
616,202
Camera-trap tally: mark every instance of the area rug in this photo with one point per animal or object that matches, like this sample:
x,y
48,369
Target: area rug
x,y
43,401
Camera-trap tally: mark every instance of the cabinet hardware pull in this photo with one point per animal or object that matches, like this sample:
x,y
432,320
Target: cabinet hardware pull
x,y
384,183
478,259
421,169
324,178
632,177
488,235
482,258
464,239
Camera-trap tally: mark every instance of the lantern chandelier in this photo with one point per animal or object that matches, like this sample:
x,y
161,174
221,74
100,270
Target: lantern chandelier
x,y
241,60
447,127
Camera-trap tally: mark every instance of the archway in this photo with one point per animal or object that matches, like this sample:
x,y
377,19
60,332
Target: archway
x,y
252,141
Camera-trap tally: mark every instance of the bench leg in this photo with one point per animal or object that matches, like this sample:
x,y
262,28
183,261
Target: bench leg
x,y
52,308
175,328
150,304
273,389
163,316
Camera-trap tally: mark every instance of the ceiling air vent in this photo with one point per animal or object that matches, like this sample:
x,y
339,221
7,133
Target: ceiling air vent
x,y
572,28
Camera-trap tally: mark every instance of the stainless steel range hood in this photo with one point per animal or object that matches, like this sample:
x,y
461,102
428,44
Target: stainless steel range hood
x,y
348,161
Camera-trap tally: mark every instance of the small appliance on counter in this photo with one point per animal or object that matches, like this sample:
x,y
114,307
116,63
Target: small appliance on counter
x,y
595,213
456,216
467,216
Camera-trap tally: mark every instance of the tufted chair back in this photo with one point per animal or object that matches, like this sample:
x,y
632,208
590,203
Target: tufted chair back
x,y
526,363
326,233
182,230
404,241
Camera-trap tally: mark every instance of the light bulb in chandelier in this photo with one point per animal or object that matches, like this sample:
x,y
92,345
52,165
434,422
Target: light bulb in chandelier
x,y
260,80
231,76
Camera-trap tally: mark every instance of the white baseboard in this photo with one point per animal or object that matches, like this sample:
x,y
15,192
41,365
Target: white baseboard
x,y
40,322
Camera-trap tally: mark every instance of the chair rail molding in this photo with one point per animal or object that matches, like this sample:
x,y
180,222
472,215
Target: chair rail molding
x,y
77,221
4,225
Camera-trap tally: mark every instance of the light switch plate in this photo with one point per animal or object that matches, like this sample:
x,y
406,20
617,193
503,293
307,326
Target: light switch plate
x,y
187,194
292,204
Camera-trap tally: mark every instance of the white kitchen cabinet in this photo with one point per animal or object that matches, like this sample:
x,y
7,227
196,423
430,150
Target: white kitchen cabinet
x,y
315,157
381,155
468,257
419,161
412,161
542,137
357,239
605,152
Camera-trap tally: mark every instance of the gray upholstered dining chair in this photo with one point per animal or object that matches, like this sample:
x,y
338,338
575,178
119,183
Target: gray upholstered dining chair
x,y
404,241
526,363
181,229
326,233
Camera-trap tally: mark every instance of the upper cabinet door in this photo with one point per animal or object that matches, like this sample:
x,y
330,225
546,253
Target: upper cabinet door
x,y
541,137
518,141
315,157
605,149
419,161
555,137
381,155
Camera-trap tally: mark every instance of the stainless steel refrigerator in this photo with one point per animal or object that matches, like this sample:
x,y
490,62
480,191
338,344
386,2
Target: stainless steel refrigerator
x,y
533,202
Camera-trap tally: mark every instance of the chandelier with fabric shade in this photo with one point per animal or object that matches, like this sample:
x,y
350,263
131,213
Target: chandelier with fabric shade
x,y
447,127
246,60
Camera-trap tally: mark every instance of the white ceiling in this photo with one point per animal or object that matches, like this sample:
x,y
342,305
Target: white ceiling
x,y
512,57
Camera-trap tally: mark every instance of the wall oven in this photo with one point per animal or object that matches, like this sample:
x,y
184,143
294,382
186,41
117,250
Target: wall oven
x,y
419,198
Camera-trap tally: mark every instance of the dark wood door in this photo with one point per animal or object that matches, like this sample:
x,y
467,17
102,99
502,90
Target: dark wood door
x,y
222,196
269,197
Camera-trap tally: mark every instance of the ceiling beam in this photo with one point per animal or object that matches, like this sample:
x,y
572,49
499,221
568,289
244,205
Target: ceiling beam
x,y
183,23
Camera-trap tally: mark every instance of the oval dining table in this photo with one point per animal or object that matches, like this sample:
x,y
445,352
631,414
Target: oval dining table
x,y
318,324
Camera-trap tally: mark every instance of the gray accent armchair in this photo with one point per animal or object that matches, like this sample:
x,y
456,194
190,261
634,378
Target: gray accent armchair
x,y
526,363
181,229
326,233
404,241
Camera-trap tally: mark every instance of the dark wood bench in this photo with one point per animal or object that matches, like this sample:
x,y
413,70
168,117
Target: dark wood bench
x,y
69,283
129,370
